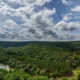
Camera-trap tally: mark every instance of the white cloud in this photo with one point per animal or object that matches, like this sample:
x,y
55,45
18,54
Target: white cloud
x,y
70,26
66,18
40,19
76,9
24,23
35,25
10,25
66,2
67,30
31,2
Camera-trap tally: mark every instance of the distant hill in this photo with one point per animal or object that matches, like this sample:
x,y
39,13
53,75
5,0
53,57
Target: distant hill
x,y
66,45
6,44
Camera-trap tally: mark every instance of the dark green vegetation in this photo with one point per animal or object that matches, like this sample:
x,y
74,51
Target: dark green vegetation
x,y
78,77
19,75
49,59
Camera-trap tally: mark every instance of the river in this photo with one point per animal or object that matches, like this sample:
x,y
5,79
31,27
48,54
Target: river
x,y
6,67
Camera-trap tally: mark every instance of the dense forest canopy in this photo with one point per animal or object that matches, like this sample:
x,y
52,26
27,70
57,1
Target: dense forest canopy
x,y
39,60
56,44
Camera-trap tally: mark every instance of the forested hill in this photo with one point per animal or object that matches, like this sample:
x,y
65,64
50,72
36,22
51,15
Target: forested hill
x,y
67,45
45,59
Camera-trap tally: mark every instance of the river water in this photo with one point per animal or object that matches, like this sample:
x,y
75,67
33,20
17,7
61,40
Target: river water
x,y
6,67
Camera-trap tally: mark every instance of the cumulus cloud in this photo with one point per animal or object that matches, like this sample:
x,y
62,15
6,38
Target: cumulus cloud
x,y
10,25
34,25
66,2
21,21
31,2
64,26
76,9
66,18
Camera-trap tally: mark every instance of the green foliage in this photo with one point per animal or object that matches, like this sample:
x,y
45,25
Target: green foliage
x,y
78,77
19,75
64,79
41,78
41,59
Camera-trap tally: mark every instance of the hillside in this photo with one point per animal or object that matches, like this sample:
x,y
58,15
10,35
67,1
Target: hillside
x,y
56,44
37,59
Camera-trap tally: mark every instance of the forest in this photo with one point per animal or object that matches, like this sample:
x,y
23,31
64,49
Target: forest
x,y
39,60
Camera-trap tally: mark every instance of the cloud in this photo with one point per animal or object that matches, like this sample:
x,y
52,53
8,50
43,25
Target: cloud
x,y
34,25
66,18
64,26
21,21
10,25
31,2
40,19
67,30
66,2
76,9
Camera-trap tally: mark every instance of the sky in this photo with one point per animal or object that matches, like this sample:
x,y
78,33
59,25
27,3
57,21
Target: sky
x,y
39,20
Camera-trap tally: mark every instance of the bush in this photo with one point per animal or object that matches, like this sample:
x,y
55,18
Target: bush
x,y
41,78
78,77
64,79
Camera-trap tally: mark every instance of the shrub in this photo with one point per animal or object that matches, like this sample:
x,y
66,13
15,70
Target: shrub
x,y
78,77
64,79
